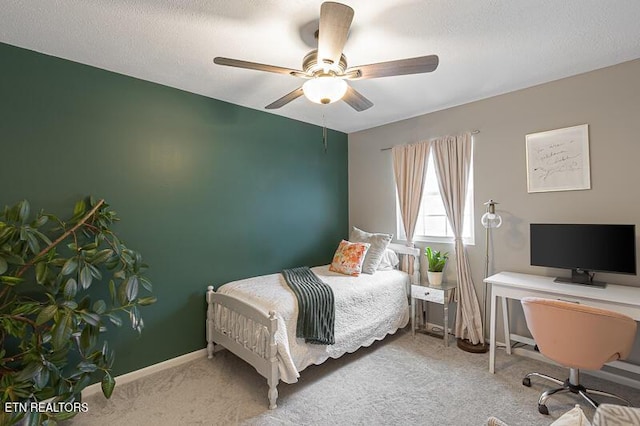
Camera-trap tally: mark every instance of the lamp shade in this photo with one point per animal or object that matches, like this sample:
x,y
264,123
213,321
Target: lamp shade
x,y
324,89
491,219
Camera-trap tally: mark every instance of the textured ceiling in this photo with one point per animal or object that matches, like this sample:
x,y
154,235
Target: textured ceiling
x,y
486,47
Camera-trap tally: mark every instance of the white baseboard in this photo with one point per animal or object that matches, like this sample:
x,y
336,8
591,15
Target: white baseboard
x,y
146,371
602,374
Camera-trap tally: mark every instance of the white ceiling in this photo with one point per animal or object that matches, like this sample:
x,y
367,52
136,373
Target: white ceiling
x,y
486,47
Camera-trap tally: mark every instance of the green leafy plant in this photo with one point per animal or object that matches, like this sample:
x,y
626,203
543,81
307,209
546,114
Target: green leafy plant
x,y
52,327
436,260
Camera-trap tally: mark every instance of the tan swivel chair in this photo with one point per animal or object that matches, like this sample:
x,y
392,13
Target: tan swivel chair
x,y
577,337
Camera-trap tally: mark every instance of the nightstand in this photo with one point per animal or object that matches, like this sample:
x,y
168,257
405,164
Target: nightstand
x,y
436,294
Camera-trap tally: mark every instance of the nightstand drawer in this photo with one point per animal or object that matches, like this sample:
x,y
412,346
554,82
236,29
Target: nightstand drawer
x,y
427,293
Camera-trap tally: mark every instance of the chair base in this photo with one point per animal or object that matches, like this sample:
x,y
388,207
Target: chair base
x,y
567,386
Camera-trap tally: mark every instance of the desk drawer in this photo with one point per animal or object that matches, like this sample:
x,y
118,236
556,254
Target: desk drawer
x,y
426,293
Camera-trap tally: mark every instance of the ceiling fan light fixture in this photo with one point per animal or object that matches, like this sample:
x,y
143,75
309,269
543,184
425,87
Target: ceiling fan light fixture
x,y
325,68
324,89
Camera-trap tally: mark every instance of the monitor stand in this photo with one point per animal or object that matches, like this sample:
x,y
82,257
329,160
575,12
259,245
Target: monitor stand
x,y
581,276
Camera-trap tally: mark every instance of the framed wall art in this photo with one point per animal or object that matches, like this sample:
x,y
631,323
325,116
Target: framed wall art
x,y
558,160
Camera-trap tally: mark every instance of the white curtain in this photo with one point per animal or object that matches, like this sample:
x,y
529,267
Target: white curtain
x,y
452,157
409,169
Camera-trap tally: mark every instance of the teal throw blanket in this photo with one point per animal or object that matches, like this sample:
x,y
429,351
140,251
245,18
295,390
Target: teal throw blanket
x,y
316,306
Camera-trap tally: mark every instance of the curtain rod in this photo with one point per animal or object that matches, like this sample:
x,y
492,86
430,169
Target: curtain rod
x,y
473,132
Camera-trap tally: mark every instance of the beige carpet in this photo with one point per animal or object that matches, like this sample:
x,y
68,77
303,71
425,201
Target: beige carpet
x,y
401,380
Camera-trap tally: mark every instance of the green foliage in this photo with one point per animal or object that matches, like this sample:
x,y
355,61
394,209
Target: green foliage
x,y
50,324
436,259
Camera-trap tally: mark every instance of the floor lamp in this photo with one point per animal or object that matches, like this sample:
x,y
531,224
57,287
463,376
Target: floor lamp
x,y
489,220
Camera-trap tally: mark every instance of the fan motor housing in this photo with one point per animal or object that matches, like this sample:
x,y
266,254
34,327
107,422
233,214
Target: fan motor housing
x,y
311,65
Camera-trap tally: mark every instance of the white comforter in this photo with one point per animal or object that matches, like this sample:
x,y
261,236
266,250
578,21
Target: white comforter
x,y
368,308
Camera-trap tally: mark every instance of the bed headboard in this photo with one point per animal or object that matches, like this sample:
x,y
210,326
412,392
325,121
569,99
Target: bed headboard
x,y
403,250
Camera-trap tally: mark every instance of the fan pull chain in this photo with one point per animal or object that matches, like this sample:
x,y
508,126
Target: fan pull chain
x,y
324,133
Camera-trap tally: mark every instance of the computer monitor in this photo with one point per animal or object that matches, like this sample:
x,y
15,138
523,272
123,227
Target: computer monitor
x,y
584,248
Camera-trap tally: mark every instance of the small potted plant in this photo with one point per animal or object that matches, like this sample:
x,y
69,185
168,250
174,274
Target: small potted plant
x,y
436,262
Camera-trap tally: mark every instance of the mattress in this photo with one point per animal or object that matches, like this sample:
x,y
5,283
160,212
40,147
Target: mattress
x,y
368,308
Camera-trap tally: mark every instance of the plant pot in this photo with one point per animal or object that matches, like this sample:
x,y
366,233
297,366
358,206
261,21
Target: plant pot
x,y
435,278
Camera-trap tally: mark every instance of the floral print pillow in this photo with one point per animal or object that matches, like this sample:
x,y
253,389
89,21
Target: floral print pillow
x,y
349,257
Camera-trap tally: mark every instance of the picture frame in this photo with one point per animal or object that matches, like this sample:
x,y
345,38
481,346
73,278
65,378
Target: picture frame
x,y
558,160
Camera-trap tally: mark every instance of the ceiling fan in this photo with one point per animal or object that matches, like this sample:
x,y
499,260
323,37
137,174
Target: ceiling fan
x,y
325,69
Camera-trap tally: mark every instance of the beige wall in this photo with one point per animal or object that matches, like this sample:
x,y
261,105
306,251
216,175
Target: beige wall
x,y
608,100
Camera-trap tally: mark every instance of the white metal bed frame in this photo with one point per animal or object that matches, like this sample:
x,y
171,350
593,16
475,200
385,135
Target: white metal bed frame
x,y
242,341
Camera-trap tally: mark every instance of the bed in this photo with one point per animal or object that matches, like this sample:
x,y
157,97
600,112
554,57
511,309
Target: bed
x,y
255,318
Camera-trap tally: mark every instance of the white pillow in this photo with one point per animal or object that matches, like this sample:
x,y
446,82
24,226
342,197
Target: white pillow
x,y
609,414
378,244
573,417
389,260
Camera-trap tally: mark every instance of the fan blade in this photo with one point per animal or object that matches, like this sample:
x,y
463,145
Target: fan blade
x,y
356,100
419,65
285,99
254,66
335,20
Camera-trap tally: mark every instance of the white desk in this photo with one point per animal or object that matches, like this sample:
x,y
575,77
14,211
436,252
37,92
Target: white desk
x,y
511,285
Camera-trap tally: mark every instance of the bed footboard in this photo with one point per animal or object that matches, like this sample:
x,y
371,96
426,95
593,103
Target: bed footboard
x,y
245,331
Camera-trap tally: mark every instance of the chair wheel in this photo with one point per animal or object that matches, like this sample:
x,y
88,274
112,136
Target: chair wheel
x,y
542,409
527,382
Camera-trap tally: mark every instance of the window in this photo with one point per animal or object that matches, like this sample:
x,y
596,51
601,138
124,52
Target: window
x,y
432,224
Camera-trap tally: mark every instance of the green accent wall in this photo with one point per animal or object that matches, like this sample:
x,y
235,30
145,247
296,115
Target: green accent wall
x,y
207,191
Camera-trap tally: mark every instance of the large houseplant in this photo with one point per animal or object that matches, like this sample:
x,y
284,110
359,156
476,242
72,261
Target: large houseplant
x,y
436,262
52,314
